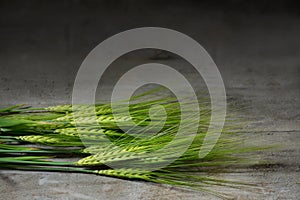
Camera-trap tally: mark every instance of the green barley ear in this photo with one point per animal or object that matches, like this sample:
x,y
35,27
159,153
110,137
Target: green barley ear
x,y
52,140
126,173
60,108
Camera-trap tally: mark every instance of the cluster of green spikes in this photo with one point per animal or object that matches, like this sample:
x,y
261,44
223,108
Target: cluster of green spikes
x,y
38,139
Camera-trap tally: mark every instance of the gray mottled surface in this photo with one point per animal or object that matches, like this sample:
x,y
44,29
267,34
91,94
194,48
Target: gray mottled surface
x,y
257,52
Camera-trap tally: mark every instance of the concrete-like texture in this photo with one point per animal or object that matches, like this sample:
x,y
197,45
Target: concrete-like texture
x,y
256,47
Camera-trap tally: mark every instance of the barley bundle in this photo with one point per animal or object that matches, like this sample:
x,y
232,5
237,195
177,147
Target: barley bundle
x,y
32,139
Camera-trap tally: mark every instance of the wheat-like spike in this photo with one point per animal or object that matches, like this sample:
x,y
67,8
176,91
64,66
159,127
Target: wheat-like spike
x,y
89,119
107,156
89,161
85,136
49,125
126,173
38,139
94,149
72,131
51,140
66,118
103,110
134,154
85,131
60,108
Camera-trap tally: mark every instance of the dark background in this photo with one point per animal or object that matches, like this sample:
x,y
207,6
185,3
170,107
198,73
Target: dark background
x,y
255,44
